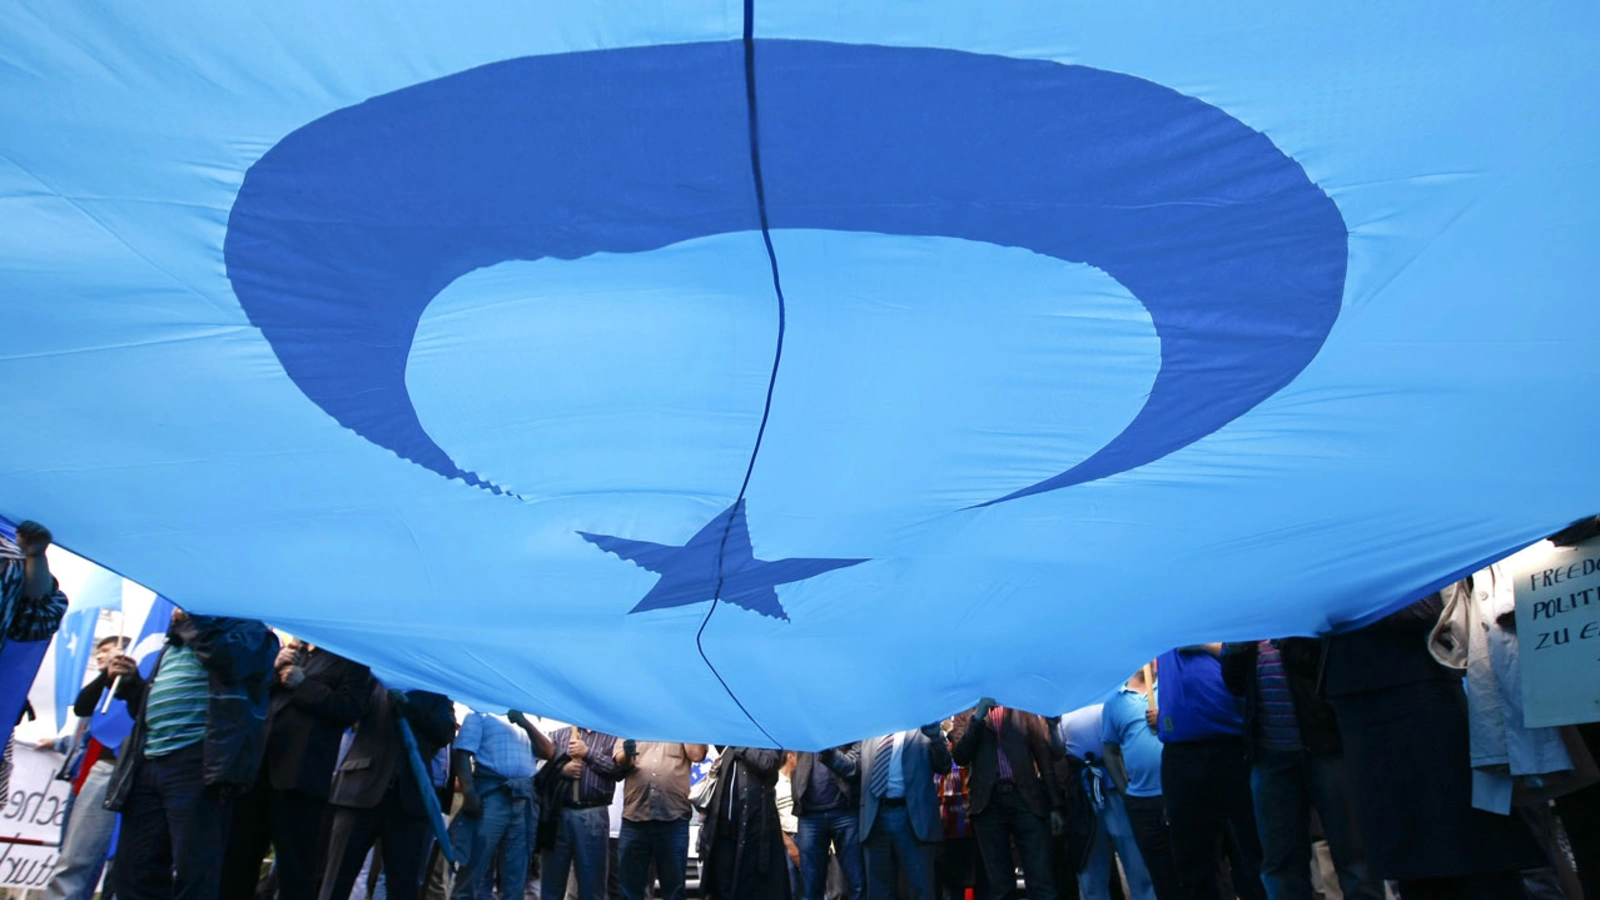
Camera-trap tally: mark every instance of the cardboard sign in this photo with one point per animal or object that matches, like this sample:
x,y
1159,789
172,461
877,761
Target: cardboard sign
x,y
1558,630
36,808
26,865
31,820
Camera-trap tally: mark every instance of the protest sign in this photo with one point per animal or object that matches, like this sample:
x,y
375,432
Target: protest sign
x,y
30,822
1558,629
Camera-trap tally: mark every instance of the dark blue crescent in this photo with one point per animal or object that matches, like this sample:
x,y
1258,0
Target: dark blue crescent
x,y
344,232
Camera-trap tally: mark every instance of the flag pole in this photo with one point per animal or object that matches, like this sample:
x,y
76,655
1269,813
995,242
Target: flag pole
x,y
430,800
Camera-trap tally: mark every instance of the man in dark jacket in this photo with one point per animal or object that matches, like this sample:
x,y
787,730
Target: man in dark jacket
x,y
1297,765
376,797
741,844
827,805
315,697
900,824
1014,794
196,745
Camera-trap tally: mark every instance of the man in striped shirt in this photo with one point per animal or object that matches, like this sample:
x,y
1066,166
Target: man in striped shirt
x,y
197,743
1297,765
588,766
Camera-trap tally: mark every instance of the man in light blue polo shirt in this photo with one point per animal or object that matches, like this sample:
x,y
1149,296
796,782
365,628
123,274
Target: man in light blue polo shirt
x,y
1133,758
494,760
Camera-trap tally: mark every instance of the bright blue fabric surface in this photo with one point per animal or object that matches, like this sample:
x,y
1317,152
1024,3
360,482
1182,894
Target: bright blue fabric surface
x,y
450,338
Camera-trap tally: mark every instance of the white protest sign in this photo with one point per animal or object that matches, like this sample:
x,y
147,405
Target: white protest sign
x,y
36,808
1558,630
26,865
31,820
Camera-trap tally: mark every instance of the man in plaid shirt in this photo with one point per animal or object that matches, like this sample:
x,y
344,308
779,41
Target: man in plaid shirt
x,y
31,607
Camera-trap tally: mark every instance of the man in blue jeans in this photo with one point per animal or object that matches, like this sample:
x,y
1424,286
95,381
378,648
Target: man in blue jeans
x,y
900,823
588,778
655,815
829,813
493,761
1297,765
86,839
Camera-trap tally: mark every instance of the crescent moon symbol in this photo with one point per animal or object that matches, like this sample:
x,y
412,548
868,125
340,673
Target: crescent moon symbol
x,y
345,230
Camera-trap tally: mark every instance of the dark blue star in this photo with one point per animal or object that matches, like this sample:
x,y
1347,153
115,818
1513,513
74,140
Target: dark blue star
x,y
689,573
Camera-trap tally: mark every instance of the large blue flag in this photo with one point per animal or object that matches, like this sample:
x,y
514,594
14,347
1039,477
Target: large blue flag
x,y
793,370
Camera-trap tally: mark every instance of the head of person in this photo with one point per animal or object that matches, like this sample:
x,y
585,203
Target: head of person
x,y
108,648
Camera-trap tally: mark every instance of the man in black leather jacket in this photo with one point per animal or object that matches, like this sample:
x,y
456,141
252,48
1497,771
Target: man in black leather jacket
x,y
197,743
316,695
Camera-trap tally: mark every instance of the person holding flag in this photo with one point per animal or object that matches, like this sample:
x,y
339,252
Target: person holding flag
x,y
86,840
197,743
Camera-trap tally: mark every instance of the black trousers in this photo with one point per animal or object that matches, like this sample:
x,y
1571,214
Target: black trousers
x,y
1487,886
1148,816
290,822
351,833
1007,818
1580,814
1206,785
174,831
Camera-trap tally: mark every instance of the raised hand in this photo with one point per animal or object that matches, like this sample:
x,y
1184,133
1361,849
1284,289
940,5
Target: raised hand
x,y
33,539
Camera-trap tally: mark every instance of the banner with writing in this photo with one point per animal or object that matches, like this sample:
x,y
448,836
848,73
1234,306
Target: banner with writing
x,y
1558,629
31,820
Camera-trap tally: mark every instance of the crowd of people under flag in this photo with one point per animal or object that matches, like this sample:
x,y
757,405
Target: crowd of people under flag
x,y
1287,768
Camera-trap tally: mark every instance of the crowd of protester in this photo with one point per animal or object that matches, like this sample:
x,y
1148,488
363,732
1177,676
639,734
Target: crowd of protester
x,y
1289,769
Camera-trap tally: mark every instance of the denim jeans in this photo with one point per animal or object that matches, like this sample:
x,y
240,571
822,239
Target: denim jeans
x,y
502,831
891,848
840,829
581,844
664,843
174,831
1287,786
87,839
1114,831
